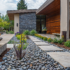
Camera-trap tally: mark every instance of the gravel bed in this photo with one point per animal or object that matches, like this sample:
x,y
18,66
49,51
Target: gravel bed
x,y
35,59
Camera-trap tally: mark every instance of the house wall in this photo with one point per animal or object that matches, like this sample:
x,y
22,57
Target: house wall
x,y
53,24
69,19
16,20
27,21
64,23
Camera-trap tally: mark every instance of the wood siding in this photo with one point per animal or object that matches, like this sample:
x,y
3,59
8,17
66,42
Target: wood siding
x,y
53,24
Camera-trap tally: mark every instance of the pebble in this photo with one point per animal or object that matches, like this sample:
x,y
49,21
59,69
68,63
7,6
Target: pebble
x,y
35,59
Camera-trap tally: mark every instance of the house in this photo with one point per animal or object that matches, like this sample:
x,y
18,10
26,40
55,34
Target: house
x,y
53,14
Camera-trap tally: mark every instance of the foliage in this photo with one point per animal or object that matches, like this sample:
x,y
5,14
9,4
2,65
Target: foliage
x,y
10,32
23,38
21,5
44,28
67,43
45,38
19,48
1,29
17,33
26,32
37,35
6,23
19,36
33,32
55,40
25,46
11,42
60,41
49,40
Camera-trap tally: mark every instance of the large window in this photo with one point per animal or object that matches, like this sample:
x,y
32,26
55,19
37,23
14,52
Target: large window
x,y
40,23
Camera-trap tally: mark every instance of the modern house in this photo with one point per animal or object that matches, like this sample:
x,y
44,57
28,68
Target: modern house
x,y
53,14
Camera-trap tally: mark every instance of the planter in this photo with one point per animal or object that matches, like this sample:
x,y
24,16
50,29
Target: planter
x,y
44,32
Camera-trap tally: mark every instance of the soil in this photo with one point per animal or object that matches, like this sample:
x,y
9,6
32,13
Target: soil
x,y
1,56
61,45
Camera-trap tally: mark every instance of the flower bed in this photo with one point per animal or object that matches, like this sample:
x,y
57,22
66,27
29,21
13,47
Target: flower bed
x,y
59,42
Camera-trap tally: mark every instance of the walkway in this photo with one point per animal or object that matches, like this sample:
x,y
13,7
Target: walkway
x,y
55,52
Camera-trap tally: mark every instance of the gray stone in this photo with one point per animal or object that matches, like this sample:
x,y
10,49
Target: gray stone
x,y
4,58
27,22
29,69
62,57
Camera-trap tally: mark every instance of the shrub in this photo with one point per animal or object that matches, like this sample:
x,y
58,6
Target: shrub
x,y
23,40
19,36
39,36
26,32
10,32
33,32
55,40
60,41
12,42
67,43
25,46
49,40
45,38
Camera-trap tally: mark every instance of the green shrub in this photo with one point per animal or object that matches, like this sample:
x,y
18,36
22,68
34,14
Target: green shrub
x,y
67,43
33,32
11,32
49,40
26,32
45,38
55,40
12,42
60,41
25,46
6,32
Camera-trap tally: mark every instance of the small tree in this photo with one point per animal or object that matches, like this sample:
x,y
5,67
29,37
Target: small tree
x,y
21,5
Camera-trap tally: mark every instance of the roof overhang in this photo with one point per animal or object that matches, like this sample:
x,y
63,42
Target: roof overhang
x,y
11,13
49,7
44,6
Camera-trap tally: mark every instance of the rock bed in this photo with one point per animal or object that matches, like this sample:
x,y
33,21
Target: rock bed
x,y
35,59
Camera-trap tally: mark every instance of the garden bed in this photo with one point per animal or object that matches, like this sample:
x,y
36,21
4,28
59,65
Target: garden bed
x,y
35,59
61,45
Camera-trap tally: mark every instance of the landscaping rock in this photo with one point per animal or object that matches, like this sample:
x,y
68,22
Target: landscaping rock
x,y
35,59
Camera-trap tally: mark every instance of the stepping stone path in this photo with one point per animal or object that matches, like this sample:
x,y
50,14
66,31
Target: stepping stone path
x,y
36,40
62,57
50,48
41,43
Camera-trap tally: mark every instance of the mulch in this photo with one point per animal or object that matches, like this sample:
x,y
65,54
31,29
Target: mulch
x,y
1,56
61,45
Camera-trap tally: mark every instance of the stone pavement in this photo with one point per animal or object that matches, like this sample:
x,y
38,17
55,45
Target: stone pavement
x,y
6,38
50,48
41,44
62,57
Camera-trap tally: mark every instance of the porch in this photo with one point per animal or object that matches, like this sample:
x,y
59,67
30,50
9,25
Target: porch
x,y
56,18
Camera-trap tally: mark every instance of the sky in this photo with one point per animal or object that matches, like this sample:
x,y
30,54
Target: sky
x,y
12,5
